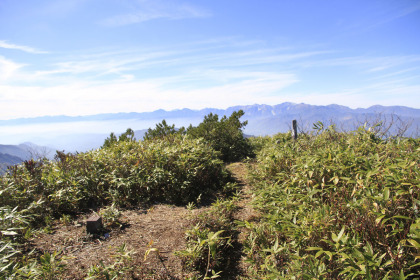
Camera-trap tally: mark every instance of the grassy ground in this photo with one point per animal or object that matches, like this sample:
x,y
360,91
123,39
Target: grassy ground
x,y
161,228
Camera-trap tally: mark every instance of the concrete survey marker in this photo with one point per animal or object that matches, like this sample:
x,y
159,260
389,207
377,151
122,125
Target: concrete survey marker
x,y
93,224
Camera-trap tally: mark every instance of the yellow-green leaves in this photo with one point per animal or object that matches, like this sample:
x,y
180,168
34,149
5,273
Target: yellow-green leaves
x,y
371,187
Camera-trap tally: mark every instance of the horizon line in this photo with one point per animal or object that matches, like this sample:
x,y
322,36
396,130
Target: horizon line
x,y
197,110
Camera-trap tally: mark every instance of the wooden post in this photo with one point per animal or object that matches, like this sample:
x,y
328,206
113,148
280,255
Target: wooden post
x,y
294,124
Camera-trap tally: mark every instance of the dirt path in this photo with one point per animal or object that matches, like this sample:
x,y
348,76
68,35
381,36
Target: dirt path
x,y
239,171
245,210
162,227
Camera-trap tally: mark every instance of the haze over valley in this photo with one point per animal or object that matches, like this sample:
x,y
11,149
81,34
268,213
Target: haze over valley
x,y
88,132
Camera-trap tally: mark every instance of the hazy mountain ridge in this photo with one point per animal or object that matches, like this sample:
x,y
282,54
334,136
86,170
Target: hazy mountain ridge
x,y
19,151
262,120
26,150
15,154
7,160
256,110
267,120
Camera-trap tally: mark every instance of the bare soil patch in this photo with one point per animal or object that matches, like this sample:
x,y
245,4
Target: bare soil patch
x,y
162,225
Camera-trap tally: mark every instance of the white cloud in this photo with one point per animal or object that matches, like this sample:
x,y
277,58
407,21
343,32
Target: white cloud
x,y
169,63
386,93
6,45
8,68
150,10
191,76
372,63
86,98
409,73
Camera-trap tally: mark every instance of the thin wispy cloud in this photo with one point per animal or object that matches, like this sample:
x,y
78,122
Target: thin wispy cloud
x,y
392,15
8,68
172,76
60,8
370,63
152,10
151,94
410,72
187,60
376,19
6,45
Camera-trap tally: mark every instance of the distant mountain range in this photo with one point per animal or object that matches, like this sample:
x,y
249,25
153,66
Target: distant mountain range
x,y
15,154
262,120
7,160
267,120
285,110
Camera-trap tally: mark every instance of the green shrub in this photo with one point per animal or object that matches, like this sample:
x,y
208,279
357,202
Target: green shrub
x,y
128,135
175,170
209,242
336,206
162,130
118,269
224,135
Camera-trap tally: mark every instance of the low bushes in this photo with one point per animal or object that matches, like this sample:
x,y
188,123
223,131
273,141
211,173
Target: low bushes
x,y
175,170
224,135
336,206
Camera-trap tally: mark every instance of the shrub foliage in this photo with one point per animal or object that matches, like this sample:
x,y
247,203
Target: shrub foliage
x,y
127,173
162,130
174,170
224,135
336,206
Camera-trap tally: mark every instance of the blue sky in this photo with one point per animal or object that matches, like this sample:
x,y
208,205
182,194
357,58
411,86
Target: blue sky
x,y
82,57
